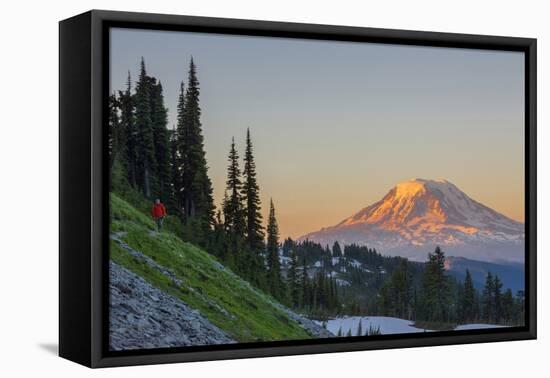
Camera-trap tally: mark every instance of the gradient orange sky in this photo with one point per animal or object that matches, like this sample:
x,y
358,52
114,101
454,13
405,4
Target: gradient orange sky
x,y
336,125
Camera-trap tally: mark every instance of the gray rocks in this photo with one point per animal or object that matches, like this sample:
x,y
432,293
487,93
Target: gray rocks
x,y
310,326
145,259
167,272
143,317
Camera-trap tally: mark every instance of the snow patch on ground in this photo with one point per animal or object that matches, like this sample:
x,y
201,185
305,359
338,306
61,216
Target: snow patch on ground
x,y
388,325
465,327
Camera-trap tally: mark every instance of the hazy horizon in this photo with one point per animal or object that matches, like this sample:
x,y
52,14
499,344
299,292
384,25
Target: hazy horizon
x,y
336,125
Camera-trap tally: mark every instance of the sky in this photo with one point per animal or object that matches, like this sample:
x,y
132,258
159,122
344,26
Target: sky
x,y
336,125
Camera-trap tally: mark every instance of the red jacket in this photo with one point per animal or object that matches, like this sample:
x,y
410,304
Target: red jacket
x,y
158,210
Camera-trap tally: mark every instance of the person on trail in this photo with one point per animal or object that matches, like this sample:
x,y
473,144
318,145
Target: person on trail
x,y
158,212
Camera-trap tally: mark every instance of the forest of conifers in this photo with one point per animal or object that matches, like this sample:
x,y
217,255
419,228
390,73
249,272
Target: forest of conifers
x,y
149,160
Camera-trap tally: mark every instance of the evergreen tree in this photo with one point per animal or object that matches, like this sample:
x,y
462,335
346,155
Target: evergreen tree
x,y
292,280
395,295
218,241
159,119
196,193
436,288
488,301
327,261
145,154
304,284
117,148
175,185
249,264
251,198
272,250
497,294
336,250
288,247
519,307
467,300
179,146
233,205
321,292
115,137
127,124
372,331
201,223
507,312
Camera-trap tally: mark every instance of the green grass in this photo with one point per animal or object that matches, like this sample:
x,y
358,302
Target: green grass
x,y
218,294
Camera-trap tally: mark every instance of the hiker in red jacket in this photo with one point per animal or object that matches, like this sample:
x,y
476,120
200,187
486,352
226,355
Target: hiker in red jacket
x,y
158,212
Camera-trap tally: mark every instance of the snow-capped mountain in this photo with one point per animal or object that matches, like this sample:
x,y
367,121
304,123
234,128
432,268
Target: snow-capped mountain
x,y
419,214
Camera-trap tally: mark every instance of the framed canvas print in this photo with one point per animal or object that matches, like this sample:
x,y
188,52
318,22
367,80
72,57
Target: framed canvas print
x,y
233,188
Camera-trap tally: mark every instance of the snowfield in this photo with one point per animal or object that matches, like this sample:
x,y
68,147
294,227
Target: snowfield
x,y
387,325
465,327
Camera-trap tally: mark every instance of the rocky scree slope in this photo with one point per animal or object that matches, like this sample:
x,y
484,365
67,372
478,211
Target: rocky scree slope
x,y
143,317
198,281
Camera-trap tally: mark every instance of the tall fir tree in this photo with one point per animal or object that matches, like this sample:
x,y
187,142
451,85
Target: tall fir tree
x,y
436,287
145,156
507,313
488,299
251,198
218,243
180,138
467,301
175,176
336,249
293,283
115,137
127,123
396,294
159,119
272,249
304,285
202,222
196,193
118,163
234,215
497,294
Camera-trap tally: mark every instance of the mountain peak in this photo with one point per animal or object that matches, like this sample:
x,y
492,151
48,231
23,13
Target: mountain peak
x,y
431,205
409,188
416,186
426,181
421,212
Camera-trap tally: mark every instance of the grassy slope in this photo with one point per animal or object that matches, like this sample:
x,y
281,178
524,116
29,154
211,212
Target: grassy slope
x,y
221,296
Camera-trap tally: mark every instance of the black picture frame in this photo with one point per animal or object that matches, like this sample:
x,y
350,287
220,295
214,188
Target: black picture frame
x,y
83,195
